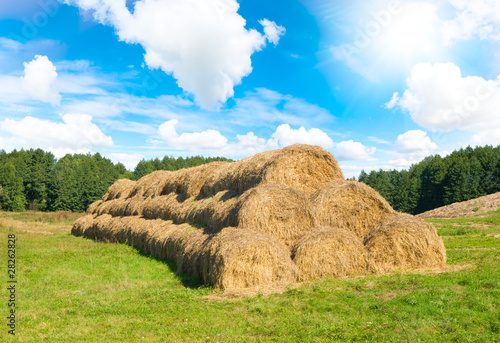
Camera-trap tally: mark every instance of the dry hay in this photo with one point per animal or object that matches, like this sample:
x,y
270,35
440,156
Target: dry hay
x,y
243,259
81,225
276,210
403,241
329,252
93,207
351,205
120,189
466,208
151,184
190,181
304,167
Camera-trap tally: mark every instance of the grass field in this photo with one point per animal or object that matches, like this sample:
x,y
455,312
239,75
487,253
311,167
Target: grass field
x,y
76,290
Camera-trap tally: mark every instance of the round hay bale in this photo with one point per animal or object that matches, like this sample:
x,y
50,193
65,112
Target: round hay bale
x,y
151,184
329,252
403,241
351,205
81,225
93,207
236,259
120,189
304,167
190,181
276,210
133,206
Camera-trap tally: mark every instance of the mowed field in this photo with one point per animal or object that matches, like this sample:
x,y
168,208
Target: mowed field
x,y
72,289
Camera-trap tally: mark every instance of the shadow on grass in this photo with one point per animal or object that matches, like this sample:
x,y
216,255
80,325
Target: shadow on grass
x,y
187,280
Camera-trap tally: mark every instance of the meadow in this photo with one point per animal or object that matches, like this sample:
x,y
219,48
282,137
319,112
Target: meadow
x,y
72,289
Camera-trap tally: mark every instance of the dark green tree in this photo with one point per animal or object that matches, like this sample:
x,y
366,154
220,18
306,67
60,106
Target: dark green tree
x,y
12,198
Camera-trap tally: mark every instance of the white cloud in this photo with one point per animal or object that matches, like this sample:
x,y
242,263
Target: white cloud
x,y
203,44
439,98
350,150
272,31
412,147
209,139
477,18
288,136
377,140
487,137
414,141
75,132
128,160
40,79
393,102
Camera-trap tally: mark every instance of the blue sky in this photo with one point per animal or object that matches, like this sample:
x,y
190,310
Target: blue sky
x,y
380,84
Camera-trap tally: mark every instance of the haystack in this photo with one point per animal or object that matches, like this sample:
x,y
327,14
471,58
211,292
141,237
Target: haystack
x,y
263,221
403,241
351,205
329,252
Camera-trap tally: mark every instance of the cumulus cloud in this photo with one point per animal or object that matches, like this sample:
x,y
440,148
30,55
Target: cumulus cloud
x,y
350,150
440,98
478,18
213,142
209,139
40,79
77,131
203,44
414,141
285,135
411,147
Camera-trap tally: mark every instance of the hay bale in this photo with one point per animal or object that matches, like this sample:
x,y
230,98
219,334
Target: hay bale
x,y
304,167
276,210
81,225
329,252
351,205
403,241
236,259
120,189
133,206
190,181
94,206
151,184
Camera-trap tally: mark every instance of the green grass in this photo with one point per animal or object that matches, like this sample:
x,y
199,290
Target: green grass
x,y
76,290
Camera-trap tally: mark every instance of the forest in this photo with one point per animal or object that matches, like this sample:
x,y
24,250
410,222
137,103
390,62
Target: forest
x,y
438,181
36,180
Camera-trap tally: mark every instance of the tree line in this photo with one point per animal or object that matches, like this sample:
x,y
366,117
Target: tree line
x,y
438,181
36,180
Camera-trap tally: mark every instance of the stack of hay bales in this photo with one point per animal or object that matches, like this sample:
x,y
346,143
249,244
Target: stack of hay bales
x,y
268,220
